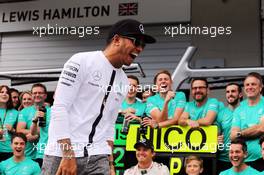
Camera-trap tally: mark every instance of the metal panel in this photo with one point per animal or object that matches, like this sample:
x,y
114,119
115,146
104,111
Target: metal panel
x,y
23,51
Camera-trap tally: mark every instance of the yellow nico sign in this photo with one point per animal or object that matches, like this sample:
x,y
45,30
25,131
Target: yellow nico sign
x,y
177,139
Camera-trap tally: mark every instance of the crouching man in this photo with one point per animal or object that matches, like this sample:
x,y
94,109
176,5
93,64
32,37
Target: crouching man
x,y
146,165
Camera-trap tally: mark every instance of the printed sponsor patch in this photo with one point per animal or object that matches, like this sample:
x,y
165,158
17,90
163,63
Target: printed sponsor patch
x,y
69,73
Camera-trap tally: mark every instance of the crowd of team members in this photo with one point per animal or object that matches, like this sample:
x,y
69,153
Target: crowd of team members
x,y
22,139
238,120
20,113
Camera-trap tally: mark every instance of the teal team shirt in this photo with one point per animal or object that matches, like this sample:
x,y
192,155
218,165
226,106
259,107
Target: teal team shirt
x,y
7,117
25,167
248,171
137,105
26,116
221,105
43,138
246,116
224,123
157,102
197,112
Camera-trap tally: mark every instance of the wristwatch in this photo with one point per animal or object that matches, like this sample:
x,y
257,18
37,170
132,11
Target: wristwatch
x,y
239,134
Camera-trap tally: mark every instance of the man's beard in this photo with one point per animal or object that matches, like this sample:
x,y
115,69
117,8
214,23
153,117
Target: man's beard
x,y
234,103
200,99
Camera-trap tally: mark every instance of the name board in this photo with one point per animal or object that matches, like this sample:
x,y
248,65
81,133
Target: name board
x,y
177,139
22,16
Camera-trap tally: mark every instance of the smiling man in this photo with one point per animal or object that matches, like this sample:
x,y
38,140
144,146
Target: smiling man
x,y
88,96
19,164
166,106
233,94
203,110
237,155
15,97
248,119
132,109
146,165
26,115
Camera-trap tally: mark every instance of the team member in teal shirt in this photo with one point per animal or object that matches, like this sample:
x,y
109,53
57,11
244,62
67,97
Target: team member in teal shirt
x,y
132,109
248,119
8,118
137,108
19,164
202,111
237,155
233,94
38,127
39,94
147,92
261,142
166,106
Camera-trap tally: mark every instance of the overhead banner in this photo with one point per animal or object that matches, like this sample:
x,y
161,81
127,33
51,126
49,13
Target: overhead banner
x,y
23,16
177,139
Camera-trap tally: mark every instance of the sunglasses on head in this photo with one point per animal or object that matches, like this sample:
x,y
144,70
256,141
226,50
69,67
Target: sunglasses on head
x,y
136,41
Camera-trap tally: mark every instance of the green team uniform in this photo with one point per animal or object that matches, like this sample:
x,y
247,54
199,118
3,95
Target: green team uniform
x,y
246,116
248,171
43,136
157,102
26,116
7,117
198,112
25,167
137,105
224,123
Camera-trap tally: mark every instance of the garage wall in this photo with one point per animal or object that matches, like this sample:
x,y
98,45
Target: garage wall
x,y
24,51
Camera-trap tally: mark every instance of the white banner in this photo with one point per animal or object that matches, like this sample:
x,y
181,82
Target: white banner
x,y
23,16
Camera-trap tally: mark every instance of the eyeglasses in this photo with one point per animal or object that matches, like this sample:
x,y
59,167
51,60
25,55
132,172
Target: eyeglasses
x,y
199,87
136,41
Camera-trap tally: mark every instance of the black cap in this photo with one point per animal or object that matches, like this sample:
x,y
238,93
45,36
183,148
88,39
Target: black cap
x,y
145,143
130,27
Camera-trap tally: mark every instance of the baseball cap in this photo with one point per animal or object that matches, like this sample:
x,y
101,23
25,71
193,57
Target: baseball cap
x,y
132,28
145,143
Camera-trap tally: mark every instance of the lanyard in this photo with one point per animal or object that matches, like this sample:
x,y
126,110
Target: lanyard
x,y
4,118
